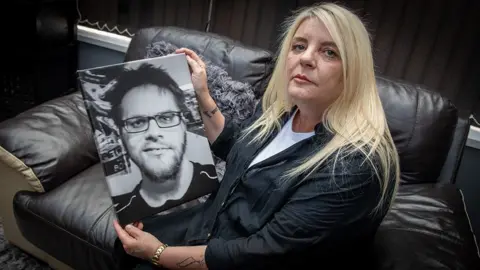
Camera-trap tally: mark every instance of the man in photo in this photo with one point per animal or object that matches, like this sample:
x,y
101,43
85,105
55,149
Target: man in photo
x,y
148,107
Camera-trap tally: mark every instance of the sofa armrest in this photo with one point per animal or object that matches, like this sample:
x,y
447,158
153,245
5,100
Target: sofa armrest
x,y
427,228
49,143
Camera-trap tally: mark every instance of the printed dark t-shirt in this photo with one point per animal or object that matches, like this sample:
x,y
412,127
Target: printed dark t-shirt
x,y
131,207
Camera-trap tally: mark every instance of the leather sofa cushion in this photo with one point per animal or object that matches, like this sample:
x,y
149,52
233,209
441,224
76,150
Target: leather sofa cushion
x,y
54,140
72,222
422,124
243,63
427,228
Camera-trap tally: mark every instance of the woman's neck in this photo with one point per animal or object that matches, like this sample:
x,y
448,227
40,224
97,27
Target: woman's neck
x,y
305,120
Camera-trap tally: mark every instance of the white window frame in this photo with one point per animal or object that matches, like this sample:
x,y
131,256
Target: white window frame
x,y
474,137
103,38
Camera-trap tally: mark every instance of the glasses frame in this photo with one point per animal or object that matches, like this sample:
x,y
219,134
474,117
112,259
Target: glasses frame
x,y
150,117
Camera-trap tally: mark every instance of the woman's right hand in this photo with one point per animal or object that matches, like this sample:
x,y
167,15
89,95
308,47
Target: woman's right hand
x,y
213,119
197,70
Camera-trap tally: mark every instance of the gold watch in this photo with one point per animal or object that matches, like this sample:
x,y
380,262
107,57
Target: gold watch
x,y
156,256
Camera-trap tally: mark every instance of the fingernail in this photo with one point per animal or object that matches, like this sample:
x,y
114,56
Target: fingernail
x,y
128,226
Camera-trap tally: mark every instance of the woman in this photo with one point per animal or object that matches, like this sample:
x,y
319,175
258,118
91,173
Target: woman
x,y
308,179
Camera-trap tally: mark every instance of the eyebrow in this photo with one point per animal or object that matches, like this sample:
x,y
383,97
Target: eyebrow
x,y
325,43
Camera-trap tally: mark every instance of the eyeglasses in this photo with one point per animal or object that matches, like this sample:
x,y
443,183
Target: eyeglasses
x,y
142,123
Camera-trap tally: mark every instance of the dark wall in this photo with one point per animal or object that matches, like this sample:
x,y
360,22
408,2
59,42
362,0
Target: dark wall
x,y
40,55
430,42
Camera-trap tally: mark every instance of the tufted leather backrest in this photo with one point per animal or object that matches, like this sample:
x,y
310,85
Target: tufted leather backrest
x,y
243,63
422,123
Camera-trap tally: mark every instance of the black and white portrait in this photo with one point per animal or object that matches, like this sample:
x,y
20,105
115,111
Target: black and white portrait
x,y
149,134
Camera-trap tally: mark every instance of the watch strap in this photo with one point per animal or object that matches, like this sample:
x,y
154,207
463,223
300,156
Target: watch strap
x,y
155,258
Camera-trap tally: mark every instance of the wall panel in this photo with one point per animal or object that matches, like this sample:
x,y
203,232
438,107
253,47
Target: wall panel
x,y
430,42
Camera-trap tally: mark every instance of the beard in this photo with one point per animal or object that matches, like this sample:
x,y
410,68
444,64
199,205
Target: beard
x,y
165,167
168,170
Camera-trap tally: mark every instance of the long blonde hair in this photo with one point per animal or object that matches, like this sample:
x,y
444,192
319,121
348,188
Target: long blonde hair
x,y
356,119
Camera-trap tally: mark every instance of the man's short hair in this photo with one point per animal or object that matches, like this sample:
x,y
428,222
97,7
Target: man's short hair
x,y
145,74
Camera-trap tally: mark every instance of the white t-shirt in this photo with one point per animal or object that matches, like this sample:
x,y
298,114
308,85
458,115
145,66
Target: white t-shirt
x,y
284,139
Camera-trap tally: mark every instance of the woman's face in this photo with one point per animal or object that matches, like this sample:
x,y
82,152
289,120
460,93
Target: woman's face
x,y
314,67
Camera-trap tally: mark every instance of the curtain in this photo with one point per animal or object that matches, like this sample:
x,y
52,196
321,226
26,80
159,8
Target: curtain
x,y
430,42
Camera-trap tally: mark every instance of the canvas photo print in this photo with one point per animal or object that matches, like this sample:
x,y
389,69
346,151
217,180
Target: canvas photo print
x,y
150,136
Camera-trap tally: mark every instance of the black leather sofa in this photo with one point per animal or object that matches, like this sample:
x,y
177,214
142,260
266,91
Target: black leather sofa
x,y
55,203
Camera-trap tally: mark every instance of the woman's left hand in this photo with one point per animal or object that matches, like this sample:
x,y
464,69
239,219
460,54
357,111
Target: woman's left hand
x,y
137,242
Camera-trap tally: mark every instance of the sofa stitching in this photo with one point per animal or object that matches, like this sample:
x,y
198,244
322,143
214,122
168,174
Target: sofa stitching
x,y
416,122
97,221
68,232
418,231
429,233
458,157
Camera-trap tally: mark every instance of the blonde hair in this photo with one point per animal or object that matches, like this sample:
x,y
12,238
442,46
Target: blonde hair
x,y
356,118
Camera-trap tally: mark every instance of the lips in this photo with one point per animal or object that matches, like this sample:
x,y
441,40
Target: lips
x,y
302,78
155,150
